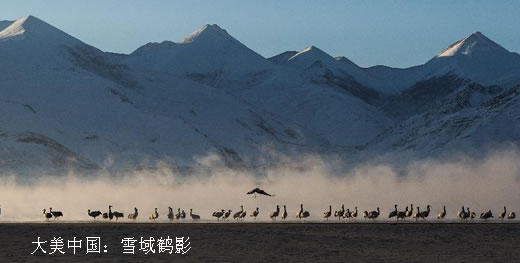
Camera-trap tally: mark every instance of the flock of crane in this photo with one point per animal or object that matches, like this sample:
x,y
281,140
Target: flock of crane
x,y
223,215
133,216
241,214
463,214
348,214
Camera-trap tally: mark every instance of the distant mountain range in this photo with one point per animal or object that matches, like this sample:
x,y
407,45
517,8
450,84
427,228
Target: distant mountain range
x,y
209,98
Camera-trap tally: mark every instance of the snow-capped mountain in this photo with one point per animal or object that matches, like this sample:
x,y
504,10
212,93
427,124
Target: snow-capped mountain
x,y
69,105
207,51
477,58
322,67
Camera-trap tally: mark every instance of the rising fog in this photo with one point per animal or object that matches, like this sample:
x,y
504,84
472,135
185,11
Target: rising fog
x,y
488,183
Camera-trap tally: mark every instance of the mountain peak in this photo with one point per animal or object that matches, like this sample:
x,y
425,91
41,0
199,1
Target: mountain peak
x,y
30,19
345,60
23,25
474,43
34,28
208,32
312,53
154,47
209,49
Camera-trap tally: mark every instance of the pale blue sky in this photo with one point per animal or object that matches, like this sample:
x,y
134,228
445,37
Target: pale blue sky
x,y
394,33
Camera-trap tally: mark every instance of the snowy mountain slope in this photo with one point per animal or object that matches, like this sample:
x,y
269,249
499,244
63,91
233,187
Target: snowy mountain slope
x,y
471,119
228,124
422,96
339,117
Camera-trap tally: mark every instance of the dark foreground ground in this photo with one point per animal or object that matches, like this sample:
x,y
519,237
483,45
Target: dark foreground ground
x,y
274,242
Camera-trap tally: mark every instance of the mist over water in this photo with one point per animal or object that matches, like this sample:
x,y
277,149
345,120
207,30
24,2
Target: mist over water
x,y
483,184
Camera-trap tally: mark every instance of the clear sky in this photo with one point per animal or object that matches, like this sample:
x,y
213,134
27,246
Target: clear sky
x,y
394,33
